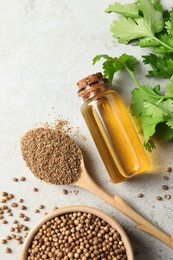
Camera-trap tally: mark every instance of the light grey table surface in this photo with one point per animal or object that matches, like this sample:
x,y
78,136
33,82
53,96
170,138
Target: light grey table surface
x,y
45,48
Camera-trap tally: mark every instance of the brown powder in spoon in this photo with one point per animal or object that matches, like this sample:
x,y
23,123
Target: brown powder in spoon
x,y
52,155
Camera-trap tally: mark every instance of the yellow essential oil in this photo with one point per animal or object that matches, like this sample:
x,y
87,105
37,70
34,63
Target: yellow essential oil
x,y
112,129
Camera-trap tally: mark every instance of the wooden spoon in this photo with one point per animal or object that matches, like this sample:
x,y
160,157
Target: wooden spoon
x,y
86,182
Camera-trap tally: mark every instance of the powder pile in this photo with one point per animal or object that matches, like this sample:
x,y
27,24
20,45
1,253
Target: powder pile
x,y
52,155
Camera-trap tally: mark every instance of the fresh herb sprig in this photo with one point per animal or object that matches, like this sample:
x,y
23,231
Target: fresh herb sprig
x,y
149,25
155,110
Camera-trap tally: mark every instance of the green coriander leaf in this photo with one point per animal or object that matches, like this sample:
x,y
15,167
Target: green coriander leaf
x,y
112,65
162,65
161,50
169,23
128,61
157,5
169,87
148,42
154,111
137,106
153,18
164,132
168,41
157,89
149,146
128,10
149,126
99,57
140,96
167,106
128,29
170,123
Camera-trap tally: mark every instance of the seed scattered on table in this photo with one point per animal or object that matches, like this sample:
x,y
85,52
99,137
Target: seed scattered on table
x,y
65,192
35,189
8,237
41,207
36,210
4,207
3,241
22,178
3,200
140,195
21,200
21,215
23,207
165,187
15,179
167,196
14,205
4,194
10,196
168,169
8,250
158,198
165,177
4,222
26,218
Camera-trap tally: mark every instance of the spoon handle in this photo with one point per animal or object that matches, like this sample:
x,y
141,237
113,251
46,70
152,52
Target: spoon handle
x,y
118,203
141,222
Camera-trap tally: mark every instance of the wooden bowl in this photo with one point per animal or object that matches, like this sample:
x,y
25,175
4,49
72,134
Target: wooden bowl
x,y
71,209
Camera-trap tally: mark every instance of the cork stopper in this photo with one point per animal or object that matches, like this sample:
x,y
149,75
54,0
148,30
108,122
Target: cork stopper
x,y
89,80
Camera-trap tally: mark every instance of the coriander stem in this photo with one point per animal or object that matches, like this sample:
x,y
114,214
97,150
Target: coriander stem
x,y
163,44
142,89
133,77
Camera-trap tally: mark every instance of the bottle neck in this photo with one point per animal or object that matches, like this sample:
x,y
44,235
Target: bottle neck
x,y
92,89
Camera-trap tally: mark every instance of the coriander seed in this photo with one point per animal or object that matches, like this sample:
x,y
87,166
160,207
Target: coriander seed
x,y
26,218
140,195
35,189
4,222
167,196
65,191
14,205
15,179
23,207
8,250
41,207
22,178
158,198
71,240
21,215
4,241
168,169
165,187
4,194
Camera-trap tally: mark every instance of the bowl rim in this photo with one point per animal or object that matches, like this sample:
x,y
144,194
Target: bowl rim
x,y
72,209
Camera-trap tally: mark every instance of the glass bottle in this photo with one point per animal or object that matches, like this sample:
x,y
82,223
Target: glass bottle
x,y
112,129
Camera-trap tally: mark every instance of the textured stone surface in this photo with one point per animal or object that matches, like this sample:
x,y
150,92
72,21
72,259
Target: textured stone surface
x,y
45,48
